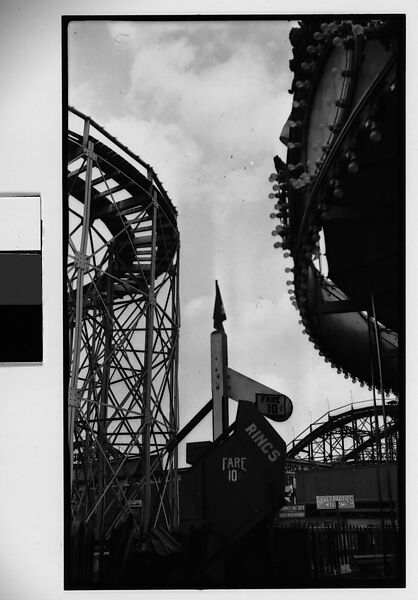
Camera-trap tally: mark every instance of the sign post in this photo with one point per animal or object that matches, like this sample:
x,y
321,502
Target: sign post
x,y
219,361
227,383
219,366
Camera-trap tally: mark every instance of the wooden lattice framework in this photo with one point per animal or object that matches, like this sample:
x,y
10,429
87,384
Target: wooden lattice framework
x,y
357,433
123,325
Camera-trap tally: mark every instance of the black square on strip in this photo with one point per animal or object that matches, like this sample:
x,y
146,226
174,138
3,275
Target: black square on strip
x,y
21,333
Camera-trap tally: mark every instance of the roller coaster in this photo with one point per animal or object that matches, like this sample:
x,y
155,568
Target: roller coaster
x,y
355,433
123,322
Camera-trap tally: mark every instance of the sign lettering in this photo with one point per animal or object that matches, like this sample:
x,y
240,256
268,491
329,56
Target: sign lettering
x,y
275,406
234,467
330,502
262,442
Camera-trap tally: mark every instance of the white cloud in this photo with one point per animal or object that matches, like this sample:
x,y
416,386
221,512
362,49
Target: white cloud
x,y
204,104
228,106
165,147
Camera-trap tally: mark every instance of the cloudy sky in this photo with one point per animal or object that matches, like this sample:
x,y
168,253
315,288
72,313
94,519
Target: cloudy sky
x,y
204,104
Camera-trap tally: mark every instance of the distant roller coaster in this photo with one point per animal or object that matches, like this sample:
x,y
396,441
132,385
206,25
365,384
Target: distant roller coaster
x,y
356,433
123,323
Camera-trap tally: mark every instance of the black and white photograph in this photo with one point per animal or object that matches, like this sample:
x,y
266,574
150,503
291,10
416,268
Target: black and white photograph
x,y
204,237
279,143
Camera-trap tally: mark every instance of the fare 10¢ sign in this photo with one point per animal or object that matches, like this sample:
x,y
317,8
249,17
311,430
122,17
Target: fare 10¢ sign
x,y
234,467
274,406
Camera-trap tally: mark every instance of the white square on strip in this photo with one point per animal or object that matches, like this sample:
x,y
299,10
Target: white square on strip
x,y
20,222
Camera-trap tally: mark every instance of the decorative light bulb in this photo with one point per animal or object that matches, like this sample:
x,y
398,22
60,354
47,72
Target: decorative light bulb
x,y
353,167
375,135
337,42
307,66
358,29
272,196
273,177
318,36
273,215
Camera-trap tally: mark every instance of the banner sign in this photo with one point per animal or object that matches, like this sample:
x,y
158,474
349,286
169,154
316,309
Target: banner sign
x,y
345,501
292,511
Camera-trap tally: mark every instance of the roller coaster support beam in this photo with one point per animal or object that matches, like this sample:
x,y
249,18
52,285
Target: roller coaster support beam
x,y
203,412
73,392
102,425
148,371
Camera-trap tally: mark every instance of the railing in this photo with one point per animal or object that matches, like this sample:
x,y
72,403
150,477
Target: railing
x,y
314,554
332,413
